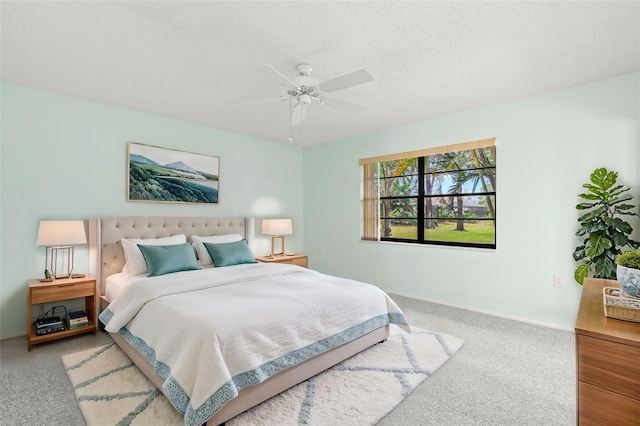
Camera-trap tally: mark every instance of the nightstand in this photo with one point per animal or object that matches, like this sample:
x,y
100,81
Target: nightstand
x,y
58,290
296,259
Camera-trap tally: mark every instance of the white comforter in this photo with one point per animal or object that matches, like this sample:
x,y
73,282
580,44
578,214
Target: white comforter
x,y
212,332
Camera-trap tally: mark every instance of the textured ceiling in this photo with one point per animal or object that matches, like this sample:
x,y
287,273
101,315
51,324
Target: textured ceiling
x,y
192,61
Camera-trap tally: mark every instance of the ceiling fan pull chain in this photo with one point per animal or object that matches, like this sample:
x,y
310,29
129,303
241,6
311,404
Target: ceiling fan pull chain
x,y
290,126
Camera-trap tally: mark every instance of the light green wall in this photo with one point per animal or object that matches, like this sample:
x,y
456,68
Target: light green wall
x,y
547,146
65,158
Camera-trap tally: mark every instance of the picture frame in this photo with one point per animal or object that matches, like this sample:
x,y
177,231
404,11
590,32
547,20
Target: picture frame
x,y
164,175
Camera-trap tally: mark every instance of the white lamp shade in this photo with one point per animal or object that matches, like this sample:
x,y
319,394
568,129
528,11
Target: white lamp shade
x,y
61,233
276,227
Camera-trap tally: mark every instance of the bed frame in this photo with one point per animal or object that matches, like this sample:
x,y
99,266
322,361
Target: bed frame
x,y
107,258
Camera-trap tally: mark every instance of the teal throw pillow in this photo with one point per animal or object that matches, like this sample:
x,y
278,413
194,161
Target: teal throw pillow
x,y
228,254
167,259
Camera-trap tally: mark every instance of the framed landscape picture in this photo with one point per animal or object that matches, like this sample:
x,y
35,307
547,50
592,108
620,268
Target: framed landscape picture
x,y
171,176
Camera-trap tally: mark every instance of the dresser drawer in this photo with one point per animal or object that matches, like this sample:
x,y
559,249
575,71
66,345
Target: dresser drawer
x,y
598,407
55,292
609,365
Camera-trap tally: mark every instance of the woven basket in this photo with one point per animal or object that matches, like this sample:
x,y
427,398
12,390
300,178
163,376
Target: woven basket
x,y
620,307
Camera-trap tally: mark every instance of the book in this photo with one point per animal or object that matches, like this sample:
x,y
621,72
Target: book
x,y
76,314
77,325
76,319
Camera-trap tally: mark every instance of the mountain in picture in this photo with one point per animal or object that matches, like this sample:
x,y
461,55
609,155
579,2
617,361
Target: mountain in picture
x,y
141,159
182,167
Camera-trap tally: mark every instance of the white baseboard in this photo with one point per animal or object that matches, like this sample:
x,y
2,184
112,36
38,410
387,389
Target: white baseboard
x,y
12,335
492,313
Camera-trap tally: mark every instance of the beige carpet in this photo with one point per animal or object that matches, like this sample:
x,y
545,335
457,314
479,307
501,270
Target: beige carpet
x,y
359,391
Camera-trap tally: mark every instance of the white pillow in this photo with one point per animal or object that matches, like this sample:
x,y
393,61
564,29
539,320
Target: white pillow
x,y
203,253
135,264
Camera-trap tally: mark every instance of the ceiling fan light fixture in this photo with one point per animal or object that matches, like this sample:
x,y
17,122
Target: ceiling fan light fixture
x,y
304,89
305,99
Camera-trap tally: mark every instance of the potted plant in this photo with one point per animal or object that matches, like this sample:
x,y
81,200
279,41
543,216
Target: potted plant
x,y
605,232
628,272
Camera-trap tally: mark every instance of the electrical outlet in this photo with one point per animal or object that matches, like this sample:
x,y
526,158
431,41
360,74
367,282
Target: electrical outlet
x,y
557,281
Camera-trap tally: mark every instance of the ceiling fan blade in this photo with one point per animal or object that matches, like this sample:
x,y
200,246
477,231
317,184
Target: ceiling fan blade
x,y
345,106
348,80
277,76
297,115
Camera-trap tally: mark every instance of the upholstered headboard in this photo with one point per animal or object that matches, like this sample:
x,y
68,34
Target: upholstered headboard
x,y
106,256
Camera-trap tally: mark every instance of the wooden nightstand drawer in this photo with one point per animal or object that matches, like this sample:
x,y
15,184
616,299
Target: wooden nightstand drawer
x,y
300,261
53,292
609,365
296,259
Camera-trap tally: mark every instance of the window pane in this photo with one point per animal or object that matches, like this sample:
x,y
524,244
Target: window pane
x,y
406,208
405,167
460,231
405,229
480,206
486,157
475,206
460,182
439,162
459,160
404,185
398,218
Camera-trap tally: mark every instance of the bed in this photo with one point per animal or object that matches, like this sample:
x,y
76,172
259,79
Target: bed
x,y
218,371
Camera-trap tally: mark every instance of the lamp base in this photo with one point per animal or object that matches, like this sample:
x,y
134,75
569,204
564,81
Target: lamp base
x,y
273,243
58,256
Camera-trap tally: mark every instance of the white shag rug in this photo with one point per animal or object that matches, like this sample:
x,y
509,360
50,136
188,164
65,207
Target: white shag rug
x,y
359,391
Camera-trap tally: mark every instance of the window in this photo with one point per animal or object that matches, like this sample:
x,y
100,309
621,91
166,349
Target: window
x,y
440,196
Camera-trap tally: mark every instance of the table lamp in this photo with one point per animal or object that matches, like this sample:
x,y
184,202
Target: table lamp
x,y
59,236
277,228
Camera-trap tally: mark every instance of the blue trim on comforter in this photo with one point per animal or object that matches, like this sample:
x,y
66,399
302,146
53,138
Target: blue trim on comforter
x,y
195,417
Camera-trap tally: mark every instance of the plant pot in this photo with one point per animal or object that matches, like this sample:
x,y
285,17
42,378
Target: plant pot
x,y
629,280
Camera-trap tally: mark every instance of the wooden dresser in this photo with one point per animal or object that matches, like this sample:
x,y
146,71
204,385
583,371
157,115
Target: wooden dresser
x,y
608,362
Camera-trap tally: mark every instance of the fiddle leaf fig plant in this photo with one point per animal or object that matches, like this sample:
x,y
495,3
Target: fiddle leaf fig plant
x,y
605,232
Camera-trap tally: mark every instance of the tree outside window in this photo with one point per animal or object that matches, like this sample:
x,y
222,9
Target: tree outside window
x,y
441,198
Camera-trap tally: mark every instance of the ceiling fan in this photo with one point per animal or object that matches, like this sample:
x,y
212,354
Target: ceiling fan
x,y
303,90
